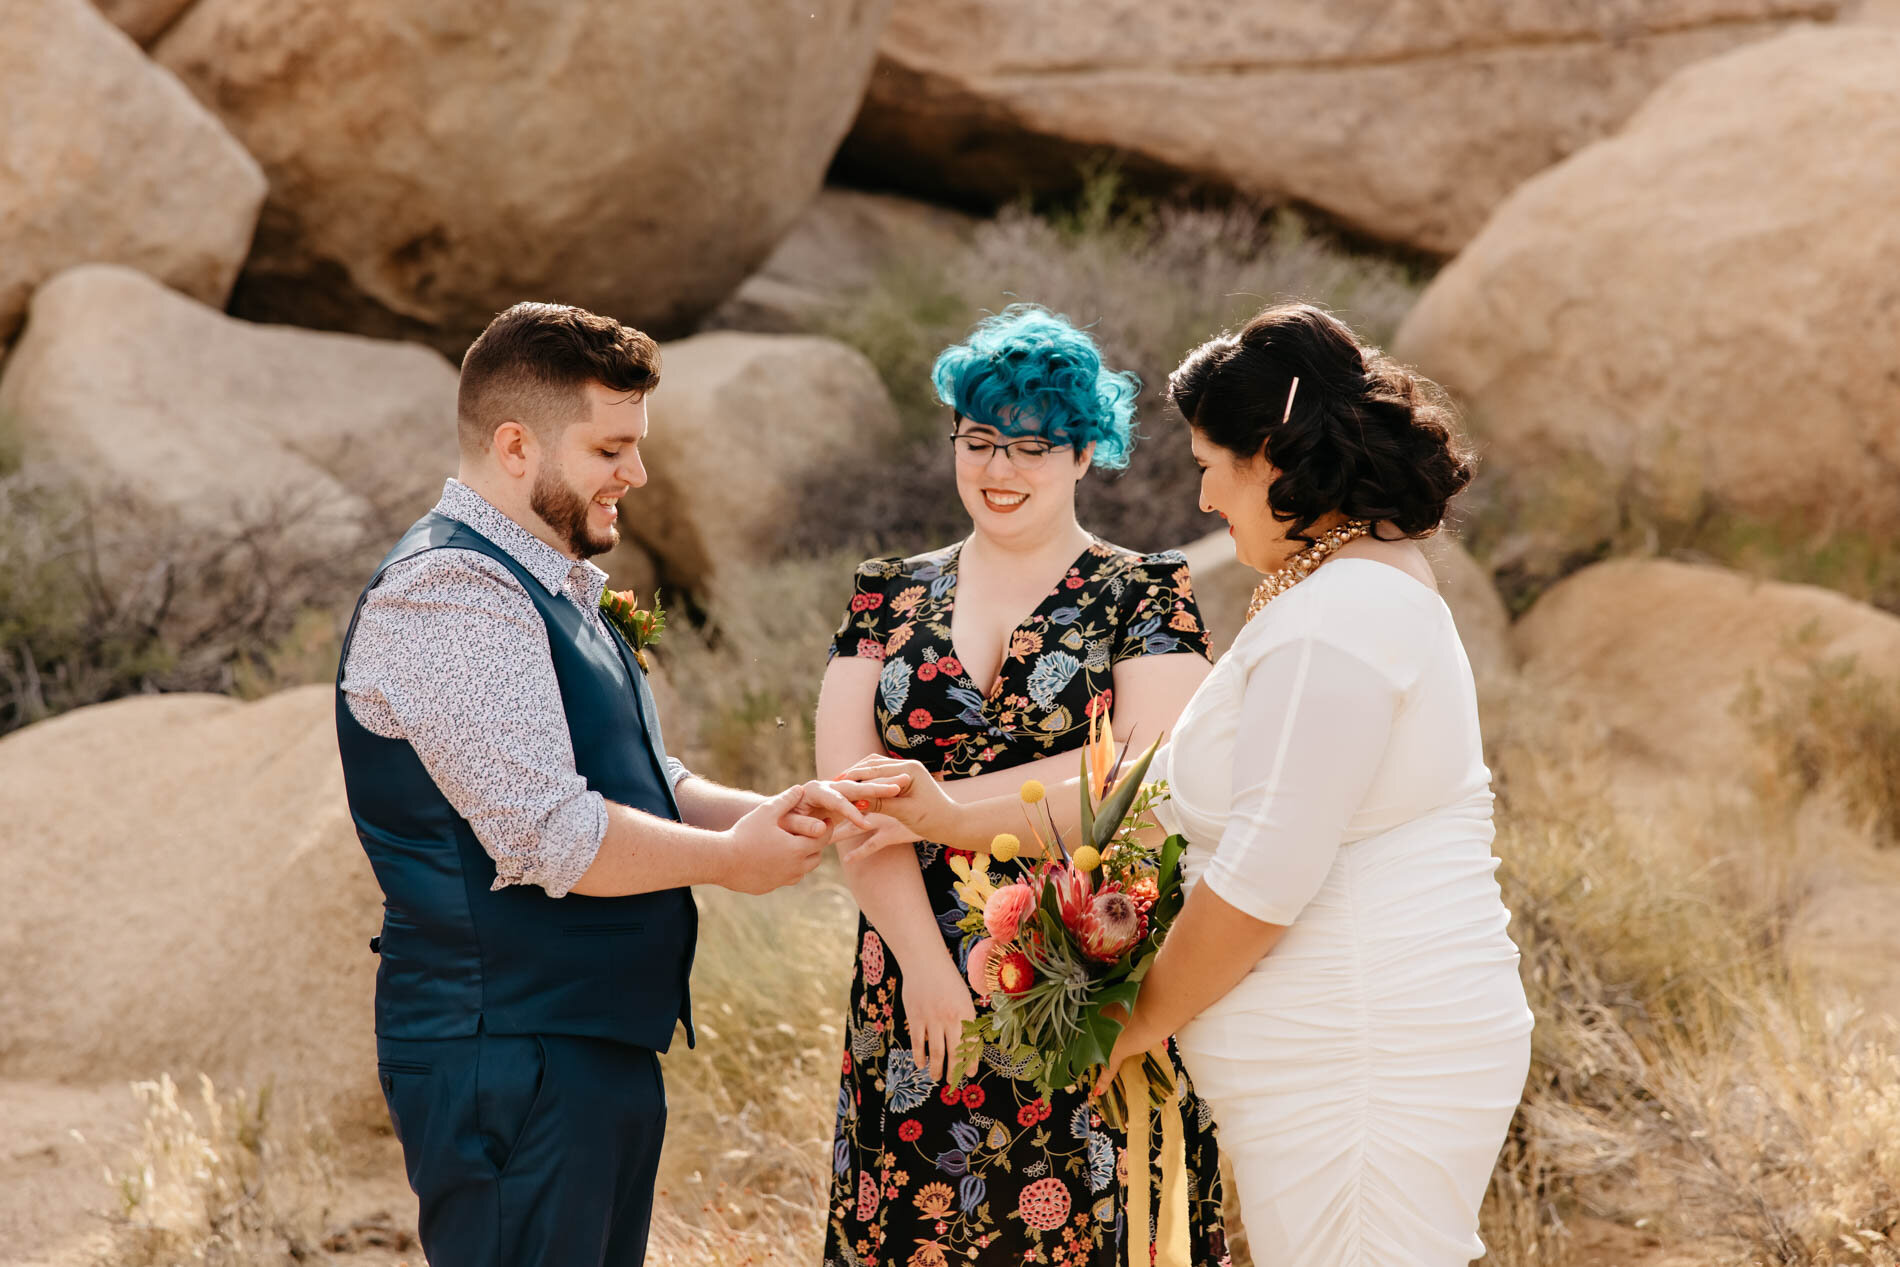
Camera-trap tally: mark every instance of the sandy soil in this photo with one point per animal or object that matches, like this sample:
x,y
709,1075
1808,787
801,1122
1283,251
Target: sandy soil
x,y
57,1141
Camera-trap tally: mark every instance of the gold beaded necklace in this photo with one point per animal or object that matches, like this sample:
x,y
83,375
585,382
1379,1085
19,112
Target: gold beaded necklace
x,y
1303,564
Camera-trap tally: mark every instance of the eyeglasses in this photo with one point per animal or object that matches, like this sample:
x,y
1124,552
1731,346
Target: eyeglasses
x,y
1024,455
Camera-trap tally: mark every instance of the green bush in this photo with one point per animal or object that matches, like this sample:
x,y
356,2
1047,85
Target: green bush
x,y
1150,282
101,600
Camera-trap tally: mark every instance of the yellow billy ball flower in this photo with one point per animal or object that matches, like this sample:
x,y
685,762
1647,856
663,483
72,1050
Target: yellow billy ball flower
x,y
1032,791
1087,858
1005,847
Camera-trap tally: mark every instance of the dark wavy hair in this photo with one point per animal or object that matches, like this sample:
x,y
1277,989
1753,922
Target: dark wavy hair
x,y
1366,437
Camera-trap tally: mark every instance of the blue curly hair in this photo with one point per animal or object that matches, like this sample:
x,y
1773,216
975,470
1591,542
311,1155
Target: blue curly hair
x,y
1028,371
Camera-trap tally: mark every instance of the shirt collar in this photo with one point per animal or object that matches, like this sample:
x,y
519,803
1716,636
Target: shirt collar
x,y
544,563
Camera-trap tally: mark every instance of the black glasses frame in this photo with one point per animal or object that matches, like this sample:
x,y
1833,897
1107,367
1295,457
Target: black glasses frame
x,y
1027,443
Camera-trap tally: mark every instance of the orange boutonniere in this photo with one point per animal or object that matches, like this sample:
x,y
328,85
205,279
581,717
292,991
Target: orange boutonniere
x,y
640,626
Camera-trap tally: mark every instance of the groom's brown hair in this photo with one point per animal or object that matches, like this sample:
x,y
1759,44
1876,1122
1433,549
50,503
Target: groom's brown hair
x,y
532,366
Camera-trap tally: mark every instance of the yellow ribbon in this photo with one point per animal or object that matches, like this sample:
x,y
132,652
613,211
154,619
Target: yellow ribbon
x,y
1166,1229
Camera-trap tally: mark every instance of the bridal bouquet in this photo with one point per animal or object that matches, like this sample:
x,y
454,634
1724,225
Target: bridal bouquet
x,y
1062,951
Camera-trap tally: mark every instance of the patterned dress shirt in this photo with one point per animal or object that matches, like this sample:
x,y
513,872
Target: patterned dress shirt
x,y
451,656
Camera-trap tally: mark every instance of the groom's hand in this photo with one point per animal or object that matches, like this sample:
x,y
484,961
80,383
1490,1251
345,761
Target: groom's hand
x,y
780,840
764,853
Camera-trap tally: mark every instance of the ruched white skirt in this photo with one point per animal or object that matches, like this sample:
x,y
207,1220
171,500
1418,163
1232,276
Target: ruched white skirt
x,y
1364,1075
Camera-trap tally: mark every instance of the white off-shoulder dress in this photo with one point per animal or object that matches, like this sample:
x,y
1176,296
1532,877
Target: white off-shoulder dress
x,y
1329,776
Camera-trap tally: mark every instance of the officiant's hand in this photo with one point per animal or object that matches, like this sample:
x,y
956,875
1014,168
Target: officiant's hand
x,y
824,807
925,809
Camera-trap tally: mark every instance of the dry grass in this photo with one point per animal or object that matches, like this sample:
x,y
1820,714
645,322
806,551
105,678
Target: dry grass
x,y
223,1182
1687,1080
747,1167
1835,731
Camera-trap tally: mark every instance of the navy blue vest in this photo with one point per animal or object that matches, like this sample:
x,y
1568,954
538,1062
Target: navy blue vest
x,y
457,954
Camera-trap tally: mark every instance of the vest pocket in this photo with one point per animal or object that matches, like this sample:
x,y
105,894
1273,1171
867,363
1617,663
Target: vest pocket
x,y
603,930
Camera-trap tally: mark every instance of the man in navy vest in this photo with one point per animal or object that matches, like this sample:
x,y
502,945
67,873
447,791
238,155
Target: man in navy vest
x,y
533,840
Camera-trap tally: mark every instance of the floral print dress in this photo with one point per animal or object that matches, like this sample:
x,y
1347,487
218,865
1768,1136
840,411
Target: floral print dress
x,y
929,1175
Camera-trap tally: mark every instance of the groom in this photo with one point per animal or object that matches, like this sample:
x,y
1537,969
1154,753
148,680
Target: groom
x,y
533,840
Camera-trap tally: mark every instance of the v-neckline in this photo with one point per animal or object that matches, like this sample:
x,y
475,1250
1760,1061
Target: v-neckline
x,y
1009,637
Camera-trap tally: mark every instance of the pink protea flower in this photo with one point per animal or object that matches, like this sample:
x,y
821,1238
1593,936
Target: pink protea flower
x,y
1072,893
979,961
1004,913
1109,926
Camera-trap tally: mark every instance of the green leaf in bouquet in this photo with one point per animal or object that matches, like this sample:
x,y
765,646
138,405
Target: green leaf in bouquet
x,y
970,1048
1090,1050
1115,804
1170,862
1088,806
1140,969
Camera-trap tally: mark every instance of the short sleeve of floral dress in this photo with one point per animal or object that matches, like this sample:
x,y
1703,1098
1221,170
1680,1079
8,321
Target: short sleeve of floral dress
x,y
928,1175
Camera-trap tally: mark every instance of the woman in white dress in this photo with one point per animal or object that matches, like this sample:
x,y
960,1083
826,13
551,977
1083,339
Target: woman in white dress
x,y
1341,984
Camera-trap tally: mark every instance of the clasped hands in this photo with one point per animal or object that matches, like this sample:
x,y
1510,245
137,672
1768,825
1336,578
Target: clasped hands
x,y
921,811
835,811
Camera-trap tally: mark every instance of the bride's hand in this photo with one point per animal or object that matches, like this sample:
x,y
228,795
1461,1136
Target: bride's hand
x,y
925,808
1129,1045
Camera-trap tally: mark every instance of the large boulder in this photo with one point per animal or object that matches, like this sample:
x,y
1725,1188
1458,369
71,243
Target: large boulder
x,y
1681,664
1407,122
1223,587
106,157
431,163
189,895
1700,314
146,397
841,245
143,20
742,426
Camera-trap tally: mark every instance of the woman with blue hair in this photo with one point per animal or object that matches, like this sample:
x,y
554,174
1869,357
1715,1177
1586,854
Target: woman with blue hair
x,y
987,660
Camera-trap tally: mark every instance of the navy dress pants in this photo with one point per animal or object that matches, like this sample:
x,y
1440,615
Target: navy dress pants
x,y
527,1150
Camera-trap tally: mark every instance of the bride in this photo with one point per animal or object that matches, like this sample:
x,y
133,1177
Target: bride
x,y
1341,984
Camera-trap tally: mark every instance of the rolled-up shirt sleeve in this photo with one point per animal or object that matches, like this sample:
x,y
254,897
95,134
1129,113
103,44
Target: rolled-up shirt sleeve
x,y
1313,727
450,654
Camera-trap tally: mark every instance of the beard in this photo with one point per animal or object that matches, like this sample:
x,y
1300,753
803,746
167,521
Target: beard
x,y
565,511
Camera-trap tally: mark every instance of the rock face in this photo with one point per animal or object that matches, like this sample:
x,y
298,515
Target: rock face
x,y
1408,122
106,157
432,163
143,20
193,897
839,246
1223,588
1659,653
1703,311
740,424
146,396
